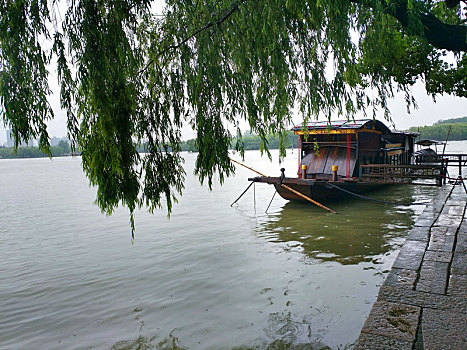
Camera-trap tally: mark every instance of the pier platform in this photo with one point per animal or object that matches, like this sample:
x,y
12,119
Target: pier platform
x,y
423,302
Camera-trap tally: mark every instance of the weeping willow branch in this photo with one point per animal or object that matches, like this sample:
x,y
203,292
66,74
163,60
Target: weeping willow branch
x,y
195,33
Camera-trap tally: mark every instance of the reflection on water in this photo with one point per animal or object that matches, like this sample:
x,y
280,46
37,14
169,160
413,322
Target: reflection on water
x,y
172,343
287,331
283,328
150,343
360,230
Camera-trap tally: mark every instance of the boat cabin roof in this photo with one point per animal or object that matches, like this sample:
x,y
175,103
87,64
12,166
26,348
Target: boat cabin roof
x,y
403,132
346,127
429,142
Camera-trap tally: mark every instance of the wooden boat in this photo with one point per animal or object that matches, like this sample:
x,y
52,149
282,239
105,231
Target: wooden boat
x,y
342,158
431,157
426,154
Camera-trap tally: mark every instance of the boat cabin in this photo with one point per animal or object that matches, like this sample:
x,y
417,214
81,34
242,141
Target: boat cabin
x,y
348,145
425,154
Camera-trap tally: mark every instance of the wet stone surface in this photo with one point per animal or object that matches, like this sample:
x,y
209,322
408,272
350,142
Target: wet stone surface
x,y
457,284
422,299
454,210
432,209
444,330
422,304
401,278
439,201
455,203
439,256
393,320
461,244
379,342
438,231
459,263
448,220
441,242
443,194
411,255
424,222
419,234
433,277
457,193
452,231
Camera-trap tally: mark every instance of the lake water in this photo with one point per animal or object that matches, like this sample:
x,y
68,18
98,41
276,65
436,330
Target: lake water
x,y
210,277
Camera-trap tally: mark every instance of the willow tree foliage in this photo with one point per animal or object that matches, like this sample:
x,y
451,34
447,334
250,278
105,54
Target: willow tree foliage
x,y
130,74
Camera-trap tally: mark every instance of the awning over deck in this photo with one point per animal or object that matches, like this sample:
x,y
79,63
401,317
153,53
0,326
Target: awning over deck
x,y
342,126
427,143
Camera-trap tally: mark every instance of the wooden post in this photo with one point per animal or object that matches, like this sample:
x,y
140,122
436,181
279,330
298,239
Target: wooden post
x,y
334,169
300,155
460,165
347,167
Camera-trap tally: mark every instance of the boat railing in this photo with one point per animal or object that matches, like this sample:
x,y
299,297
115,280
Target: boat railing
x,y
450,159
392,173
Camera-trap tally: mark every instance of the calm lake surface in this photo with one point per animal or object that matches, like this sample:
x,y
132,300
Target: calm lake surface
x,y
210,277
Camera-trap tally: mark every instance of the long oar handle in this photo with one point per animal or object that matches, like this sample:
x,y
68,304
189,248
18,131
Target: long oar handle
x,y
289,188
243,165
308,198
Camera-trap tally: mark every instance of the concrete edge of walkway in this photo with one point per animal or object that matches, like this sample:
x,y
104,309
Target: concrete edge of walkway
x,y
423,302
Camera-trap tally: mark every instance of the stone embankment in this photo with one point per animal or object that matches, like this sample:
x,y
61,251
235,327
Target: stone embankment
x,y
423,302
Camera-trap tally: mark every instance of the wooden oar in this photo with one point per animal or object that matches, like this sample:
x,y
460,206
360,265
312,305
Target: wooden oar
x,y
308,199
246,166
289,188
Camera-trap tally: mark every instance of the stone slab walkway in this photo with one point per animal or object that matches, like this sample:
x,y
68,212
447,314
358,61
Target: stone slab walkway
x,y
423,301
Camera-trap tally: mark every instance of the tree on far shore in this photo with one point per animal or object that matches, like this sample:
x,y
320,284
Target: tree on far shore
x,y
64,145
128,75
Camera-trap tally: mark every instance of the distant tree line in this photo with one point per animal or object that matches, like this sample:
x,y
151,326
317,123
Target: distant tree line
x,y
62,149
189,146
452,121
439,130
250,142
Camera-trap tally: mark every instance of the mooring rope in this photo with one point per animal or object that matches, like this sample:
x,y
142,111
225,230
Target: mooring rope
x,y
270,201
453,178
372,199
